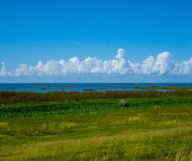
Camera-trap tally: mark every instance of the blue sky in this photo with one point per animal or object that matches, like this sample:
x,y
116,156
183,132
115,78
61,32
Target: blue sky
x,y
44,30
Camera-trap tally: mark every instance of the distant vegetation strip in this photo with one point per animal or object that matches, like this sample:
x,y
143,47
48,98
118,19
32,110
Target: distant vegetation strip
x,y
163,88
7,97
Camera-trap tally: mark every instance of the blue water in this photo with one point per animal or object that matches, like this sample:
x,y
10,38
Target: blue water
x,y
80,87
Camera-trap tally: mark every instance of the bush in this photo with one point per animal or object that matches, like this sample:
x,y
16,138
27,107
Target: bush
x,y
123,103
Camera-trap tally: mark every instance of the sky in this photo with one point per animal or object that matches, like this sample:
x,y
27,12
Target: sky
x,y
95,41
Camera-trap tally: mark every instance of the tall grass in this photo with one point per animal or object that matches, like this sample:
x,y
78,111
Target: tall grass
x,y
7,97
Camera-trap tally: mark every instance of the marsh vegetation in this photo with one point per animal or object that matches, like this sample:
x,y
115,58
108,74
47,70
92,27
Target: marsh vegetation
x,y
111,125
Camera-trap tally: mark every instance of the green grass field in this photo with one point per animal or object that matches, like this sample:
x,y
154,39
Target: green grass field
x,y
116,126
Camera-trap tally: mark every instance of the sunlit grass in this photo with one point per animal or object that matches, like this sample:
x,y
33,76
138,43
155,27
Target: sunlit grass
x,y
172,144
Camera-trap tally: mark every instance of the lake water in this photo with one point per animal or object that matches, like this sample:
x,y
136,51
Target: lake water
x,y
80,87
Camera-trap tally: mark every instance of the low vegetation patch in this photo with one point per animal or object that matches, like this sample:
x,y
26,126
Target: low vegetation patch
x,y
164,88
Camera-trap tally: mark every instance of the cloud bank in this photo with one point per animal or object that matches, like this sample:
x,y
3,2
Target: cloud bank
x,y
159,65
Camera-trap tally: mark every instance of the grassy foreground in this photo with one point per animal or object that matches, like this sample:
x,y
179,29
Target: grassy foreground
x,y
139,128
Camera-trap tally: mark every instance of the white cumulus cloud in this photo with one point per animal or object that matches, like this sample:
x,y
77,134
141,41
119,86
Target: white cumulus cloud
x,y
3,71
183,68
159,65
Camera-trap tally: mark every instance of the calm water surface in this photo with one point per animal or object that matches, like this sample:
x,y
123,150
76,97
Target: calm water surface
x,y
80,87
